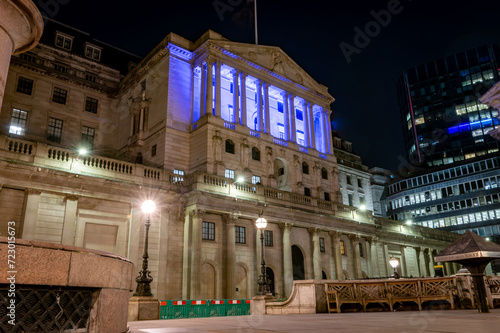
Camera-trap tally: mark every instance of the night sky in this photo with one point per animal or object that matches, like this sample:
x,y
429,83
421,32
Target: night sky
x,y
311,33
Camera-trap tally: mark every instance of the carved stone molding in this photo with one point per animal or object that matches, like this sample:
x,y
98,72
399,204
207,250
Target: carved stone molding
x,y
286,226
197,213
32,191
354,238
335,234
230,218
313,231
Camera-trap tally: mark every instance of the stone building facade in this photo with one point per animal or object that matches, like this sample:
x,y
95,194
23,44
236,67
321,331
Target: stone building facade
x,y
254,138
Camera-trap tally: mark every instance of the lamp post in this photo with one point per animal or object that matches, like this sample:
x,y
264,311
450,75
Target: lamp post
x,y
394,264
144,279
263,281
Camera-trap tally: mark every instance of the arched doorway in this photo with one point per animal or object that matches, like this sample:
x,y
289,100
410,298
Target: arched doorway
x,y
270,276
298,263
241,282
323,275
207,281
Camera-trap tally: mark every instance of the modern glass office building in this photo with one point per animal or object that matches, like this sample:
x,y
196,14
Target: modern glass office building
x,y
443,120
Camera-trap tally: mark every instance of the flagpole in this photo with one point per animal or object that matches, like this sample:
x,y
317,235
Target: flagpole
x,y
255,17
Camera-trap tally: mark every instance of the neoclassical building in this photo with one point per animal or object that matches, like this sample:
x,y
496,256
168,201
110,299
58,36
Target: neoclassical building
x,y
216,133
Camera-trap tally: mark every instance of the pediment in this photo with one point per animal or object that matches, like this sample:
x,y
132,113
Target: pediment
x,y
275,60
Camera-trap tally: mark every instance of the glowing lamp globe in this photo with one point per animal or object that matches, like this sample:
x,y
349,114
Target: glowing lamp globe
x,y
394,262
261,223
148,206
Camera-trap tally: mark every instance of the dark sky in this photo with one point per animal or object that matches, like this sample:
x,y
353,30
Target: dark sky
x,y
311,32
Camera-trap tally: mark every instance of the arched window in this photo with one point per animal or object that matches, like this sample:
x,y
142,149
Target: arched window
x,y
229,146
324,173
255,154
305,168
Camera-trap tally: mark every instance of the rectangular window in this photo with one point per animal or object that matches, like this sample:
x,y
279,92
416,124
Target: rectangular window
x,y
342,248
93,52
229,173
88,134
349,199
18,122
64,42
153,151
280,107
307,191
255,180
59,95
327,196
208,231
240,235
361,253
268,238
91,104
24,85
179,176
299,114
321,244
54,131
360,183
349,180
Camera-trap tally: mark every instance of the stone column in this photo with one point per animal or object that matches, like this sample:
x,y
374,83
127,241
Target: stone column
x,y
21,26
325,130
209,104
287,258
356,258
337,255
404,269
374,256
329,132
316,258
186,262
243,78
70,215
388,268
197,219
293,118
203,90
285,115
217,88
369,256
313,133
258,87
421,262
432,263
230,255
31,214
236,96
267,117
306,125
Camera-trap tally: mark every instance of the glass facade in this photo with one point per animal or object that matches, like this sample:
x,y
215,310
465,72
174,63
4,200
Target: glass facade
x,y
443,120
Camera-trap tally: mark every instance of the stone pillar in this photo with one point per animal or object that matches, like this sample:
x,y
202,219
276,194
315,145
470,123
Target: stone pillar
x,y
267,118
197,219
356,258
337,255
285,115
203,90
388,268
31,214
326,142
217,89
287,258
316,258
369,256
70,215
432,263
209,104
186,262
230,255
21,27
243,78
404,269
313,133
293,118
421,262
328,132
258,87
374,256
306,125
236,96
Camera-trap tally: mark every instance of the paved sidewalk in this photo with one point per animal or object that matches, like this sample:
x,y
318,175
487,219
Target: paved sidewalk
x,y
441,321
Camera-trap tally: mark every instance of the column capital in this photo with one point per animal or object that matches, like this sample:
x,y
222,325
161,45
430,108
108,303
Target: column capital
x,y
335,234
71,197
266,84
235,71
198,213
230,218
354,238
286,226
313,231
32,191
285,93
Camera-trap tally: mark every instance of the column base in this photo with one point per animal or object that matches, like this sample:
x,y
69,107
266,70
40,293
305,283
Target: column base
x,y
258,304
143,308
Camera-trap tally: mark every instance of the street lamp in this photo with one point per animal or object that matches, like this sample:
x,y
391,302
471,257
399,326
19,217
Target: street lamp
x,y
394,263
263,281
144,279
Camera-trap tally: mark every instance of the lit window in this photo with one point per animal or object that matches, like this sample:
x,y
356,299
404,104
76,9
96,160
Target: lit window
x,y
342,247
240,235
229,173
91,105
64,41
256,180
268,237
24,85
59,95
208,231
88,134
18,122
54,132
93,52
299,114
179,176
321,244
